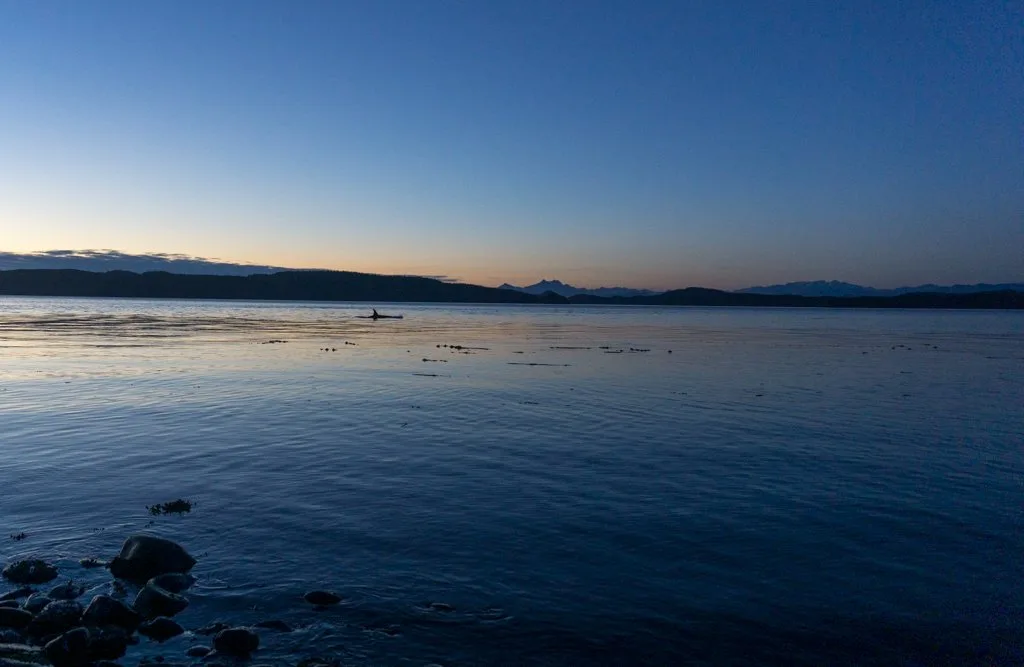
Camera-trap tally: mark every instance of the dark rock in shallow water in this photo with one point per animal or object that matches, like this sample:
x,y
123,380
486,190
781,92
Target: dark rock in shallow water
x,y
66,591
71,649
198,651
9,636
321,598
105,610
212,628
57,617
153,601
21,654
236,641
22,592
160,629
108,643
14,618
143,557
36,603
175,583
33,571
280,626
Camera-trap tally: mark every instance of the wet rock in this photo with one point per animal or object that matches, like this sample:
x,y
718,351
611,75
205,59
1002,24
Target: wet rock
x,y
198,651
175,583
160,629
321,598
32,571
154,600
143,557
57,617
212,628
108,643
21,654
280,626
17,594
236,641
71,649
67,591
14,618
9,636
36,603
105,610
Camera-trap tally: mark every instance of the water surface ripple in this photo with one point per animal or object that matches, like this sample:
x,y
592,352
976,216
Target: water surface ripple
x,y
791,487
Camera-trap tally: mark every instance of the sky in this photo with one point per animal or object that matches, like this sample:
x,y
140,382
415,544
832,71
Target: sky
x,y
653,144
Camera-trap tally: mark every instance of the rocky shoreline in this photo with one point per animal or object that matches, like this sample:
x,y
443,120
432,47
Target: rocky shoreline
x,y
54,627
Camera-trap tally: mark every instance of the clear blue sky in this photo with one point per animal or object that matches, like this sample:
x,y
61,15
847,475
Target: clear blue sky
x,y
654,144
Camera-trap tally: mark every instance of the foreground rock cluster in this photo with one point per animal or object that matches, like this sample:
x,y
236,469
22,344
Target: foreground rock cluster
x,y
55,627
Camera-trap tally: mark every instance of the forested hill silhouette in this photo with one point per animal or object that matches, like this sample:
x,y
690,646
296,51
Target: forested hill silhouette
x,y
285,286
350,286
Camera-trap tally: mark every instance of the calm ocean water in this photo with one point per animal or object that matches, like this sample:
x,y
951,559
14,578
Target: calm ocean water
x,y
790,487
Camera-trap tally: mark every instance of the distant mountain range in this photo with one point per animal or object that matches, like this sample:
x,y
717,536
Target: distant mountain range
x,y
373,288
816,288
562,289
841,289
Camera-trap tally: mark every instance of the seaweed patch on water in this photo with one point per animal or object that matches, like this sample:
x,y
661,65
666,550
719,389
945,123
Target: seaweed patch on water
x,y
179,506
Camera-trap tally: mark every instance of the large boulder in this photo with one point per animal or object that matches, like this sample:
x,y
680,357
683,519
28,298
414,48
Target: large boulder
x,y
14,618
236,641
154,600
32,571
143,557
105,610
56,618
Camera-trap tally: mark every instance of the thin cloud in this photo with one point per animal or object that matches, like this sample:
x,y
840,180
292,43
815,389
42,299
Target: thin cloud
x,y
114,260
